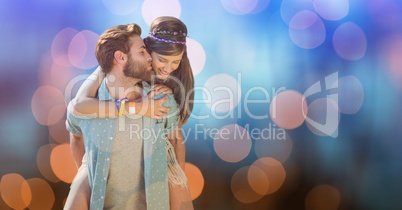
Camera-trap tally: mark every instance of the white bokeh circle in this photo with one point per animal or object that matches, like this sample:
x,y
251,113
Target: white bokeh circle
x,y
232,143
196,55
350,41
307,30
60,45
81,49
239,7
332,9
222,93
291,7
151,9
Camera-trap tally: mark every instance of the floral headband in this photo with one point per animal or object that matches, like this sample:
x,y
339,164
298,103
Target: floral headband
x,y
164,32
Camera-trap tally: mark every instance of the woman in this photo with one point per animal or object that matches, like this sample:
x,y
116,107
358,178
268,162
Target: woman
x,y
166,44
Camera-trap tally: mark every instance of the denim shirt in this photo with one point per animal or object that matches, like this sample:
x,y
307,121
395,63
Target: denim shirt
x,y
98,136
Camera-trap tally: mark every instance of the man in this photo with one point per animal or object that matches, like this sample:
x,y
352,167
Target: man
x,y
126,155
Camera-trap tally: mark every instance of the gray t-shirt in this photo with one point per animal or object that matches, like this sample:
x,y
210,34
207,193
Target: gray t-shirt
x,y
125,185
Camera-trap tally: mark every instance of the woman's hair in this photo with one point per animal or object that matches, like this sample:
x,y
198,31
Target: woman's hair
x,y
168,37
114,39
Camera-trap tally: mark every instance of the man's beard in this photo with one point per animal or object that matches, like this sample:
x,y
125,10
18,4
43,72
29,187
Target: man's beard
x,y
137,70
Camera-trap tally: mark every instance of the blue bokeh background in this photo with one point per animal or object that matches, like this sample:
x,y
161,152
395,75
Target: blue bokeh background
x,y
363,163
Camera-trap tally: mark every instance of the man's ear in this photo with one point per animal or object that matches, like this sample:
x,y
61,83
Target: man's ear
x,y
120,57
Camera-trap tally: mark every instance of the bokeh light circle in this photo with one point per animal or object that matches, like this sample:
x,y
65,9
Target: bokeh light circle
x,y
43,196
291,7
274,171
261,6
121,7
222,93
350,95
232,143
195,180
56,111
81,50
323,117
307,30
53,74
332,9
59,132
14,191
241,189
43,162
62,163
349,41
288,109
323,197
60,44
279,148
48,105
258,180
392,53
239,7
196,55
3,205
26,193
151,9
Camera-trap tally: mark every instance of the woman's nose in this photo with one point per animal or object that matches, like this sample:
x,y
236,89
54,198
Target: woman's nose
x,y
167,67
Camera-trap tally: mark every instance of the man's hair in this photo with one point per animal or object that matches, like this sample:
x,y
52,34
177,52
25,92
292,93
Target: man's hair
x,y
114,39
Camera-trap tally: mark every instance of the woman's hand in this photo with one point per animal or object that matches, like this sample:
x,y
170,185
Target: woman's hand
x,y
152,108
159,88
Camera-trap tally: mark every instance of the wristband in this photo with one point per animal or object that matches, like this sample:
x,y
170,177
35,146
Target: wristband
x,y
131,109
120,105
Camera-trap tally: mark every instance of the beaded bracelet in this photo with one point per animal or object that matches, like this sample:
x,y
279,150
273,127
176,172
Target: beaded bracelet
x,y
120,105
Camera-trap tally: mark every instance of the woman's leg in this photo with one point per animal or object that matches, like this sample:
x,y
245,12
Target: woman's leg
x,y
180,198
179,194
80,192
